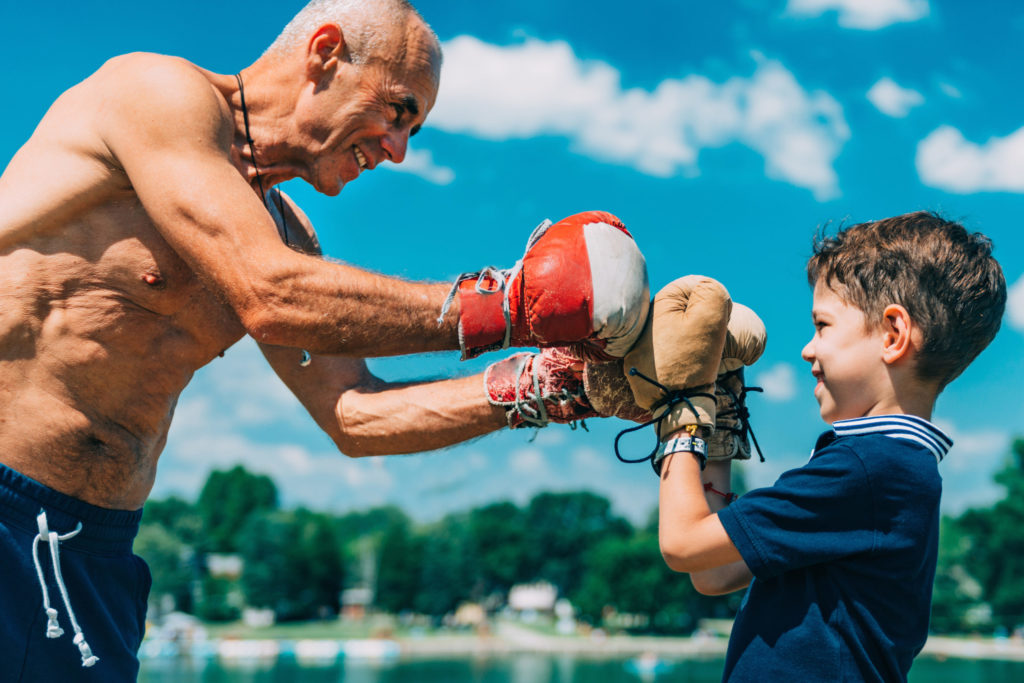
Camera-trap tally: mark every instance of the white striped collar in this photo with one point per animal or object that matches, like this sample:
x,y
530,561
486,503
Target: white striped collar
x,y
909,427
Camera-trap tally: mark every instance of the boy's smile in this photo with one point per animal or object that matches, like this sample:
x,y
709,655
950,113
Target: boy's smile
x,y
845,354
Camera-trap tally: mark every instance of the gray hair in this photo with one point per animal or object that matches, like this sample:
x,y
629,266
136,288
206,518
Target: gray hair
x,y
365,23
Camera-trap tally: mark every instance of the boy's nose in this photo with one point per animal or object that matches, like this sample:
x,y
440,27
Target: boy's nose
x,y
807,353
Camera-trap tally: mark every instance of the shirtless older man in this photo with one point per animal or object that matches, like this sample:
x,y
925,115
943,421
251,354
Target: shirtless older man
x,y
140,237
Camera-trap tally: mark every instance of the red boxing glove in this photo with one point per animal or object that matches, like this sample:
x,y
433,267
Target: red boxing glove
x,y
538,388
582,278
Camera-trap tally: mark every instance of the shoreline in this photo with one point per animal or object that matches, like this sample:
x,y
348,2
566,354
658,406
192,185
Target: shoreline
x,y
510,639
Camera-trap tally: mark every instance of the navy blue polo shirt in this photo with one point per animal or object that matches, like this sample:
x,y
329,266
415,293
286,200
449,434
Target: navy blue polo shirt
x,y
843,553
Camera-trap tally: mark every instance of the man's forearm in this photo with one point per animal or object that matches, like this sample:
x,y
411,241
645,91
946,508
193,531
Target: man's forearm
x,y
336,309
393,419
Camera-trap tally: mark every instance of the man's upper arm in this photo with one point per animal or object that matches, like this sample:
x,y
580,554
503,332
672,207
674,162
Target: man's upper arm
x,y
171,132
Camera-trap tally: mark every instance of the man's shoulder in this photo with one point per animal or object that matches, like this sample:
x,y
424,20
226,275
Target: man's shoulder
x,y
143,87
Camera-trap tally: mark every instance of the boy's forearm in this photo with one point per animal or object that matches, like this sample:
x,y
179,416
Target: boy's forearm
x,y
692,538
729,577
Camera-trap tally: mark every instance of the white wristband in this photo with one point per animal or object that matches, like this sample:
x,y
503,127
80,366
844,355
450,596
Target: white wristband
x,y
681,444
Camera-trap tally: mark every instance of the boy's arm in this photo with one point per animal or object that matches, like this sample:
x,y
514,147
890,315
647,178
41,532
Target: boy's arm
x,y
691,537
729,577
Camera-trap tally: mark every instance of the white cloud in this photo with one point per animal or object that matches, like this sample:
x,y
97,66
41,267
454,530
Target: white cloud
x,y
946,160
950,90
1015,305
866,15
542,88
529,461
420,162
778,382
893,100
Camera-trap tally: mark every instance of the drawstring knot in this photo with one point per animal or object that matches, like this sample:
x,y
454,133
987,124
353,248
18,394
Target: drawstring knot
x,y
53,629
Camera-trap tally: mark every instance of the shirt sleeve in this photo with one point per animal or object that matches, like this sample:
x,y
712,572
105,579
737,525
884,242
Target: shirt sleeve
x,y
816,513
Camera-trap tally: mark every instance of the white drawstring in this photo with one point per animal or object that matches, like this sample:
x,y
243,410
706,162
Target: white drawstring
x,y
53,629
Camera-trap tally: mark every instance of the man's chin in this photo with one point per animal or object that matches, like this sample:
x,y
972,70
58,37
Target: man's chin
x,y
330,191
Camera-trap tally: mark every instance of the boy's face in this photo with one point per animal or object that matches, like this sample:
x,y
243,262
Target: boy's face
x,y
846,357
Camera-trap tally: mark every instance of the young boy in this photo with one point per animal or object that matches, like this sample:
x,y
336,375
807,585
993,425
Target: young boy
x,y
840,554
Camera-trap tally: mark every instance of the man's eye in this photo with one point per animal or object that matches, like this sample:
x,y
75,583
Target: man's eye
x,y
399,111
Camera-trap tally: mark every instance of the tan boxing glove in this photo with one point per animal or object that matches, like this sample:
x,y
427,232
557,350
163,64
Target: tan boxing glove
x,y
744,344
680,349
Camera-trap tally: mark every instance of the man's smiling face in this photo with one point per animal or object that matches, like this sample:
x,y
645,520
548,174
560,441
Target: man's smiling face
x,y
369,111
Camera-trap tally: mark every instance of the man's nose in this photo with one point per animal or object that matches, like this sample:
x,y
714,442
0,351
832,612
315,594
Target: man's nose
x,y
395,143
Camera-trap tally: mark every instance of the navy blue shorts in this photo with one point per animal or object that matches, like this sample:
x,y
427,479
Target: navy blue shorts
x,y
106,584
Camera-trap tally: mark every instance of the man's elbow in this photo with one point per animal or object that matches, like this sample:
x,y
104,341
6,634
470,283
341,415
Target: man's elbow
x,y
349,430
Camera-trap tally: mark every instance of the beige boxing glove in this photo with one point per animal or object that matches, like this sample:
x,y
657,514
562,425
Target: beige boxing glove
x,y
679,349
744,344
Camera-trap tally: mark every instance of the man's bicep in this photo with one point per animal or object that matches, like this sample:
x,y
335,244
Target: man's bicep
x,y
171,134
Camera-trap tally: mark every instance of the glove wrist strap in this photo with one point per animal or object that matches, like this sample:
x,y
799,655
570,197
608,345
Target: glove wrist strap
x,y
685,443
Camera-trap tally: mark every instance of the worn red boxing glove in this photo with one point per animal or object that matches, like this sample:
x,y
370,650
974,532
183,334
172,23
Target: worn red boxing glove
x,y
582,278
538,388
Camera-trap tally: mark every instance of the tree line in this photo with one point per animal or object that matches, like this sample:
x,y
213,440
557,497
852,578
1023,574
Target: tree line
x,y
297,562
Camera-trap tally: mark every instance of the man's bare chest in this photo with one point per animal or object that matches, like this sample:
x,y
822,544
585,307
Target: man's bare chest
x,y
108,275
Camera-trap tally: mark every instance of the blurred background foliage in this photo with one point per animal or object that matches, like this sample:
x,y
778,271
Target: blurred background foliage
x,y
298,562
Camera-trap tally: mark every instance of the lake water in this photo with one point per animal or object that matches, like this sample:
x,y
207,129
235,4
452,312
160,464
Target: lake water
x,y
523,669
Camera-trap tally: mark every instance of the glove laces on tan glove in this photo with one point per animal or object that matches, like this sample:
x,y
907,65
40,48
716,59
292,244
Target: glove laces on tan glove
x,y
671,399
733,432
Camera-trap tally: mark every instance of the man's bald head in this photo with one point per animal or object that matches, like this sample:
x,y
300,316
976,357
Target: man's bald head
x,y
367,25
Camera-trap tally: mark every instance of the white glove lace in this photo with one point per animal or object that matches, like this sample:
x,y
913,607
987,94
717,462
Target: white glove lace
x,y
502,278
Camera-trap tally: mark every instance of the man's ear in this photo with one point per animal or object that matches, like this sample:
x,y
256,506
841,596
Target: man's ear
x,y
326,48
897,333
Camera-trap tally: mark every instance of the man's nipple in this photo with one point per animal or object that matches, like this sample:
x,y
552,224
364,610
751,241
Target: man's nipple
x,y
153,279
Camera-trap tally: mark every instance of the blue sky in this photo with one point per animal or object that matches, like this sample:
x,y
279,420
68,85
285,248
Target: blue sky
x,y
722,133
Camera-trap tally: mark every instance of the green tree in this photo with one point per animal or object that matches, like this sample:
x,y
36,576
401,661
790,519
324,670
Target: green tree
x,y
996,553
628,574
398,568
446,571
170,563
499,542
562,528
179,517
955,591
292,564
226,502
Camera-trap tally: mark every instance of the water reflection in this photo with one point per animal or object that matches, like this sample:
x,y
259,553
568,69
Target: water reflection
x,y
524,668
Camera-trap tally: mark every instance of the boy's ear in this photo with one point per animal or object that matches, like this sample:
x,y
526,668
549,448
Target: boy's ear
x,y
897,332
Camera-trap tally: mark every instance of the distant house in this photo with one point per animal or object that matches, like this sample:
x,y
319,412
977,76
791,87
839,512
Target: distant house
x,y
355,602
535,598
224,566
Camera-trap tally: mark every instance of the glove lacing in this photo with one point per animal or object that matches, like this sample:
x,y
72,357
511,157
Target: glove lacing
x,y
530,407
501,277
672,398
738,409
53,629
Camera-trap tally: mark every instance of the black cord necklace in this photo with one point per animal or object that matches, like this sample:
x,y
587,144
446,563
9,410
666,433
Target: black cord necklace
x,y
306,358
255,166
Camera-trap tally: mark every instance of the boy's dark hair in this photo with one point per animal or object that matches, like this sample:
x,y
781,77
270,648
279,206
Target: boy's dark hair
x,y
944,276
